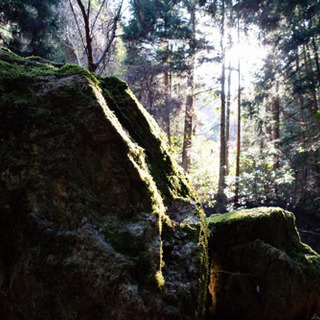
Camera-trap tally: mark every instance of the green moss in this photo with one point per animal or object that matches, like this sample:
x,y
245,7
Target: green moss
x,y
169,178
68,70
138,161
15,67
252,224
21,71
8,56
304,255
245,216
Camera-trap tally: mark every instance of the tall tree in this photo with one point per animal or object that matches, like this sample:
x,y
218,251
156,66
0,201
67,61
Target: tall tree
x,y
189,114
160,38
222,171
228,111
30,27
291,28
236,200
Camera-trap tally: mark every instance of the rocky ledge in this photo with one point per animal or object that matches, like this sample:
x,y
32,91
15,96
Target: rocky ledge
x,y
260,269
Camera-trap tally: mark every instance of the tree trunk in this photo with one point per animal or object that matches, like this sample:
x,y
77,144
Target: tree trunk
x,y
313,105
168,95
189,113
316,56
92,66
228,120
85,17
222,172
276,127
267,123
303,167
275,105
236,198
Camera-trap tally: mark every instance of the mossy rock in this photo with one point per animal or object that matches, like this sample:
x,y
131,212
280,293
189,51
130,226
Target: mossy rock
x,y
94,214
259,267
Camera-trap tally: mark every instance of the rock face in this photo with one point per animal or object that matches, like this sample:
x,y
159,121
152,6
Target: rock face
x,y
96,220
260,269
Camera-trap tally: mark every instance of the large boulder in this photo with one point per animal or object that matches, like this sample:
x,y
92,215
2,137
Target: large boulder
x,y
96,220
260,269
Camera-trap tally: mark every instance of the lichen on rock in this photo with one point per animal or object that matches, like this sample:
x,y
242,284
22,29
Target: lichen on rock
x,y
93,211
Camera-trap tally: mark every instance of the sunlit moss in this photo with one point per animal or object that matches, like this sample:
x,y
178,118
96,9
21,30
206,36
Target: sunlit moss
x,y
8,56
138,161
73,69
168,176
160,279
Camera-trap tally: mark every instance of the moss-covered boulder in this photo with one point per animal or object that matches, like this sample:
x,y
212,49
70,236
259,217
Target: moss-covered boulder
x,y
96,220
260,269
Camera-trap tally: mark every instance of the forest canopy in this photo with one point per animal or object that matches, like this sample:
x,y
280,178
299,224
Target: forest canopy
x,y
235,85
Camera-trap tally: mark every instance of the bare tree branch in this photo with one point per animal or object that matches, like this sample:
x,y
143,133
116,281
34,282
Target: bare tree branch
x,y
91,65
97,15
112,37
88,10
77,23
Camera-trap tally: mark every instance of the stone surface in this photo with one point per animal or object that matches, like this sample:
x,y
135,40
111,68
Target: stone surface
x,y
96,220
260,269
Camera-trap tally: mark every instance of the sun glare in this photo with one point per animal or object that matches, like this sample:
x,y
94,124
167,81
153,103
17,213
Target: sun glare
x,y
251,57
248,52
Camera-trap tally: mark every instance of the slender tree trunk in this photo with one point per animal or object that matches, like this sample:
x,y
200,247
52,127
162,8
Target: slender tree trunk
x,y
316,56
168,95
312,80
275,105
267,123
228,119
276,126
222,172
314,128
85,17
303,167
313,106
315,163
236,200
189,113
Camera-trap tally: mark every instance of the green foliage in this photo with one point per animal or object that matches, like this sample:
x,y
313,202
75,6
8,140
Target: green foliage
x,y
30,27
153,20
205,169
158,39
259,181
